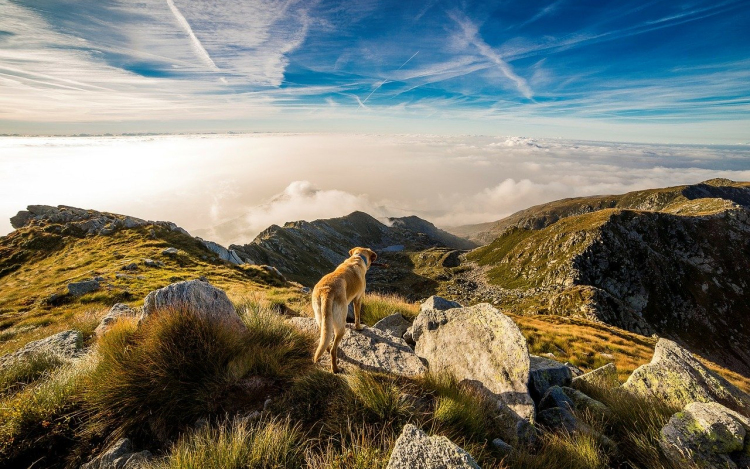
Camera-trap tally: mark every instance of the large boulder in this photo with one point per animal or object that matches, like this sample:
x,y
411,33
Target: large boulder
x,y
676,377
119,456
478,343
197,296
224,254
63,346
438,303
395,324
707,435
602,377
545,373
415,450
116,312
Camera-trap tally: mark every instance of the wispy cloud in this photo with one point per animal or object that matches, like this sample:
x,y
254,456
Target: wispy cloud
x,y
196,43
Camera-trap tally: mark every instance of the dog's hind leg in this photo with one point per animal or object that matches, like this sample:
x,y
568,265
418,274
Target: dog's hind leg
x,y
357,312
338,335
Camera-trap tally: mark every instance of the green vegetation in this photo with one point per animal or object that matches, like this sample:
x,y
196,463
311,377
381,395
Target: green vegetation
x,y
23,372
376,306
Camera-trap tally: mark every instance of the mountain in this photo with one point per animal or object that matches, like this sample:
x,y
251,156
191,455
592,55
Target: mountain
x,y
669,199
304,251
677,267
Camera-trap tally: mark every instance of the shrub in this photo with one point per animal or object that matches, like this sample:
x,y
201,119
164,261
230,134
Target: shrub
x,y
356,447
564,451
237,444
378,396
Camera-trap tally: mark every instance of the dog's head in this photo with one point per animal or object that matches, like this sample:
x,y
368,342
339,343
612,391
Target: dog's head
x,y
365,253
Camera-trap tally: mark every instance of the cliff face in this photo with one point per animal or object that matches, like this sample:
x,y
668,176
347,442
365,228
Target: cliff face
x,y
681,273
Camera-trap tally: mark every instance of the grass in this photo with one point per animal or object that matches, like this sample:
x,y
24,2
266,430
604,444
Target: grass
x,y
376,306
16,375
237,444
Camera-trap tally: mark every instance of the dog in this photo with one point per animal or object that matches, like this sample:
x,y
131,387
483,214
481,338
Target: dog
x,y
331,298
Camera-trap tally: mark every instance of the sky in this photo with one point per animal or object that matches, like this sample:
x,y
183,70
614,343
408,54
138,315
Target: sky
x,y
627,70
228,188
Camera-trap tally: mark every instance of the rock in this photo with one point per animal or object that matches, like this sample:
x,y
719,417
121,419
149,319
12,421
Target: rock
x,y
707,434
305,290
559,418
395,324
306,325
415,450
224,254
478,343
438,303
602,377
374,350
63,345
115,312
132,266
582,402
81,288
152,263
545,373
676,377
277,273
119,456
408,337
555,397
200,297
502,446
170,251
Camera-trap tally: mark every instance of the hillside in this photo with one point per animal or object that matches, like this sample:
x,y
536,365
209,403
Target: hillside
x,y
305,251
680,273
670,199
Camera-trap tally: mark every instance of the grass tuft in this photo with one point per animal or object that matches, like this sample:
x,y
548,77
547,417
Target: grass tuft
x,y
16,375
376,306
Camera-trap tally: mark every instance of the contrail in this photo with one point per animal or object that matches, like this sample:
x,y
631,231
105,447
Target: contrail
x,y
407,60
199,49
362,103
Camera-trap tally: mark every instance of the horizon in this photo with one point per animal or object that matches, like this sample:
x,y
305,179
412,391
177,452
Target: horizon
x,y
613,71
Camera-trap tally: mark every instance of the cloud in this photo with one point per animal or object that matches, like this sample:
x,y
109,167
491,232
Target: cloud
x,y
196,43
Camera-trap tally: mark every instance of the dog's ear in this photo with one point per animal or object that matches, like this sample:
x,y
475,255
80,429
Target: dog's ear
x,y
351,251
373,256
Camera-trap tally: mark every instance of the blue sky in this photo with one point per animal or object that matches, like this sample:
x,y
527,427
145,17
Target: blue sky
x,y
662,71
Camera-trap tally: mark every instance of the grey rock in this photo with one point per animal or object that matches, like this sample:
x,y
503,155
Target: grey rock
x,y
555,397
408,337
582,402
438,303
119,456
415,450
132,266
152,263
306,325
395,324
707,434
502,446
83,287
676,377
276,272
545,373
602,377
305,290
478,343
199,297
374,350
224,254
64,345
115,312
170,251
557,418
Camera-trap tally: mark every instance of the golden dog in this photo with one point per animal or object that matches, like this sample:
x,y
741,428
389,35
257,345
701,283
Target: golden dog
x,y
331,298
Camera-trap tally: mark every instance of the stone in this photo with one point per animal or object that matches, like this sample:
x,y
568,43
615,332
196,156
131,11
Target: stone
x,y
374,350
224,254
199,297
170,251
115,312
395,324
555,397
132,266
602,377
415,450
152,263
502,446
119,456
559,418
306,325
64,345
478,343
545,373
438,303
676,377
83,287
582,402
709,435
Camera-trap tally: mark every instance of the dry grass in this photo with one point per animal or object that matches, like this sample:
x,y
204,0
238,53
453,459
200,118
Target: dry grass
x,y
376,306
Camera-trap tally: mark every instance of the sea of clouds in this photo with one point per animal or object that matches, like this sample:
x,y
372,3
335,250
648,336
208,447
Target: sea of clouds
x,y
228,188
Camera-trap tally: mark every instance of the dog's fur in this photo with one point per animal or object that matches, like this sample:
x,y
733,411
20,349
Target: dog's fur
x,y
331,298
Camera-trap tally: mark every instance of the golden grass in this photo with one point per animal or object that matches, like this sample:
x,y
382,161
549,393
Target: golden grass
x,y
376,306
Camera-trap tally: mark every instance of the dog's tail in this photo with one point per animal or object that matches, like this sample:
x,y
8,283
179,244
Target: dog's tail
x,y
325,326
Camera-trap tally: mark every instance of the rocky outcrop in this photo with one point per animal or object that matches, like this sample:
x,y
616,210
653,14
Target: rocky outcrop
x,y
63,346
602,377
116,312
545,373
121,455
438,303
83,287
228,255
197,296
395,325
676,377
707,435
481,344
415,450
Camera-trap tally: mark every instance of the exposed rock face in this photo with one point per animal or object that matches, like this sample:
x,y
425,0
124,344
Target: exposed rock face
x,y
415,450
395,325
604,376
115,312
545,373
225,254
438,303
708,435
478,343
677,377
63,345
119,456
198,296
83,287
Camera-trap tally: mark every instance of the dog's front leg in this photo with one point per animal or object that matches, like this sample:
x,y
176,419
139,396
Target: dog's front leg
x,y
357,310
